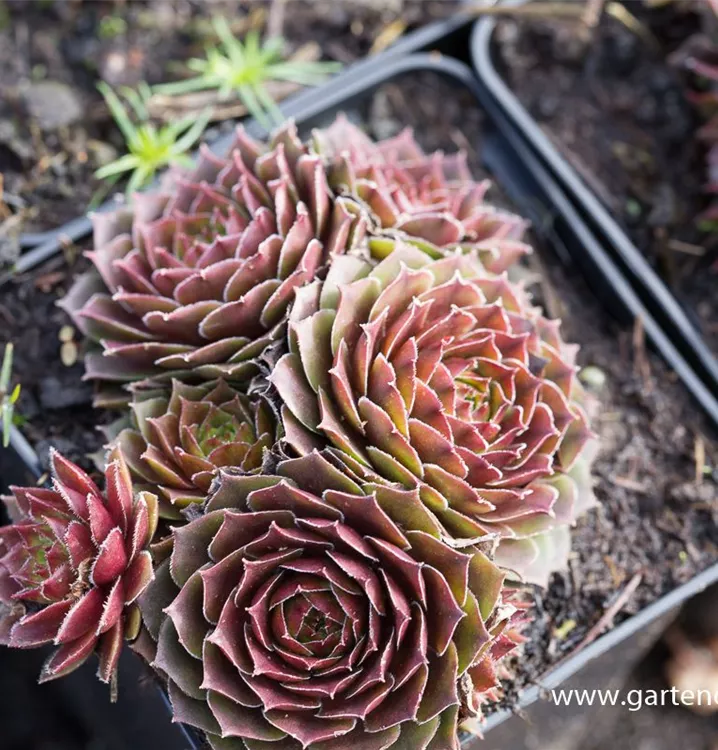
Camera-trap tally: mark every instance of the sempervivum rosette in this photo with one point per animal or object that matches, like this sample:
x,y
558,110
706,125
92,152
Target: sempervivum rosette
x,y
432,198
181,438
439,376
73,566
297,614
194,282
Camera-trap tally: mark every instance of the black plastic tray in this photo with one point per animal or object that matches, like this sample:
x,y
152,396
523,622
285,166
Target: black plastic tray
x,y
652,290
536,195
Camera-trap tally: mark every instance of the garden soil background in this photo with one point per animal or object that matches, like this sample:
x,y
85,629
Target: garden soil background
x,y
617,105
55,131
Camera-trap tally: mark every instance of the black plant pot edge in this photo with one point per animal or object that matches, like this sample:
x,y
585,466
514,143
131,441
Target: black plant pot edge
x,y
652,289
503,161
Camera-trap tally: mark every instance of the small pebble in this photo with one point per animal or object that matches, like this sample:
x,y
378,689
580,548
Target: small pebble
x,y
67,333
593,377
53,104
68,353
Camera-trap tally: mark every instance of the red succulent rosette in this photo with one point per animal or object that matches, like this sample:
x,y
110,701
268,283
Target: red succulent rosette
x,y
431,198
179,439
73,565
296,614
439,376
194,282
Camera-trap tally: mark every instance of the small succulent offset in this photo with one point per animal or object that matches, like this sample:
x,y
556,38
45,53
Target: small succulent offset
x,y
244,69
301,618
180,439
430,199
73,565
150,147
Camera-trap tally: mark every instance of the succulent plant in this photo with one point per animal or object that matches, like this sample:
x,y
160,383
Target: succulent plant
x,y
73,565
431,198
194,282
149,147
179,439
296,614
245,68
441,377
355,594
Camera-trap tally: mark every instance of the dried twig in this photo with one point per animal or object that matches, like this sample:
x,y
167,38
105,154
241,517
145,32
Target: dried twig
x,y
699,453
588,14
606,619
629,484
275,19
640,359
592,13
5,211
529,10
686,247
239,25
621,13
388,35
616,575
591,19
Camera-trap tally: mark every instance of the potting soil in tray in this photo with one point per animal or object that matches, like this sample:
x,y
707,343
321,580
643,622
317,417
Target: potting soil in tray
x,y
654,517
615,106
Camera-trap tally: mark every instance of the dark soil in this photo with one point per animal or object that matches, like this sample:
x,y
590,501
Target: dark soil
x,y
654,518
55,130
616,107
55,404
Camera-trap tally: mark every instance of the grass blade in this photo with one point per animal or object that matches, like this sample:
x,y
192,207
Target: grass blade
x,y
118,111
135,100
7,410
123,164
199,83
139,178
232,45
6,371
184,143
250,101
268,103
